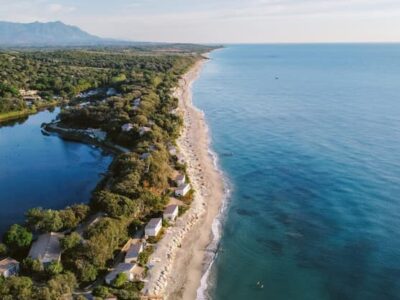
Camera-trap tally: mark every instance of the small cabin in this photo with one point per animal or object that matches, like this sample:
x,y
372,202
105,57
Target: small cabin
x,y
47,248
143,130
182,190
180,179
9,267
127,127
171,212
128,269
136,102
153,228
133,252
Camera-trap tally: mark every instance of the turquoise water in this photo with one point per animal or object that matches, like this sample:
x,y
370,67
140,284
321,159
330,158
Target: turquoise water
x,y
315,173
38,170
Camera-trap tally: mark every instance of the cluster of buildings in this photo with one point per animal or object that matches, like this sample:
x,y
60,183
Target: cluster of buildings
x,y
46,249
29,96
130,265
183,188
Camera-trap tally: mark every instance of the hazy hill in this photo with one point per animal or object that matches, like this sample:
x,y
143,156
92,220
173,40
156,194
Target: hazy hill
x,y
44,34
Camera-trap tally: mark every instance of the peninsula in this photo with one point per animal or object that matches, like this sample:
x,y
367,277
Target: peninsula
x,y
124,243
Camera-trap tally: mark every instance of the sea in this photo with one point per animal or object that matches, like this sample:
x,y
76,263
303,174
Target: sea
x,y
308,138
38,170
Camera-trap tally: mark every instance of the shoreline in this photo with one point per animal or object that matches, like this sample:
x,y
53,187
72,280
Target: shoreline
x,y
189,239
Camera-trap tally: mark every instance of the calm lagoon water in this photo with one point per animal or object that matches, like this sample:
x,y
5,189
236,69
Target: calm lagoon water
x,y
315,172
38,170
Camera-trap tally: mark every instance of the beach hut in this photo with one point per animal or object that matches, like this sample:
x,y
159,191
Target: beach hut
x,y
111,92
136,102
121,268
153,228
9,267
143,130
172,150
47,248
127,127
180,179
133,252
182,190
171,212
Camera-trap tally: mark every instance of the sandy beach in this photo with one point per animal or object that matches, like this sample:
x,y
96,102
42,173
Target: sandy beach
x,y
179,261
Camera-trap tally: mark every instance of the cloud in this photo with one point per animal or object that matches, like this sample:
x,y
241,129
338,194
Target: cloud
x,y
59,8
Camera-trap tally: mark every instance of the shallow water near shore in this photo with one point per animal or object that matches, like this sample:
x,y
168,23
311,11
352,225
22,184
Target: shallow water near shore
x,y
309,137
46,171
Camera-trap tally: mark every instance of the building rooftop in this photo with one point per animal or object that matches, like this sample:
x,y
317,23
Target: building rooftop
x,y
183,186
120,268
180,177
170,209
134,250
153,223
47,247
6,264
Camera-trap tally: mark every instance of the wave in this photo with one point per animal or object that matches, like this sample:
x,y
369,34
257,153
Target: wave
x,y
213,248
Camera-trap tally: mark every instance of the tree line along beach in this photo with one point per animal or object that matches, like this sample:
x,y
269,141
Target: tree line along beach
x,y
131,109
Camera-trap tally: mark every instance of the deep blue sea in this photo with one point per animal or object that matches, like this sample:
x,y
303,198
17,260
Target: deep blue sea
x,y
46,171
309,139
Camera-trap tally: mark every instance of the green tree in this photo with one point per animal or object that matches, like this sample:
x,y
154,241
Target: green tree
x,y
70,241
120,280
16,287
18,237
44,220
3,249
101,291
30,266
54,268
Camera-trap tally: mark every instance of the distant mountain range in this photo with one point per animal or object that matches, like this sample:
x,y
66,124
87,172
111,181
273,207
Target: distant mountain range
x,y
46,34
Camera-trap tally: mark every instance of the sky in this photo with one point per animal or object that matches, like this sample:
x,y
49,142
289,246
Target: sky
x,y
219,21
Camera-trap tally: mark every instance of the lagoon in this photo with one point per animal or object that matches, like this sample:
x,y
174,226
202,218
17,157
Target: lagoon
x,y
37,170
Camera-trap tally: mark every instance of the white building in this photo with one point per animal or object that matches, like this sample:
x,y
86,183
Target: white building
x,y
47,248
171,212
9,267
153,228
111,92
180,179
136,102
172,150
182,190
143,130
127,127
145,156
121,268
133,252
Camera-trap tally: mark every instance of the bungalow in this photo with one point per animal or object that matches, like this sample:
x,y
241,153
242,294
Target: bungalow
x,y
182,190
172,150
84,104
153,228
143,130
9,267
121,268
180,179
111,92
145,156
136,102
133,252
171,212
28,93
127,127
47,248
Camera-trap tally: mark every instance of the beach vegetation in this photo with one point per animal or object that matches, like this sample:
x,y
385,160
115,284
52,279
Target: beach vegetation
x,y
136,187
18,237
